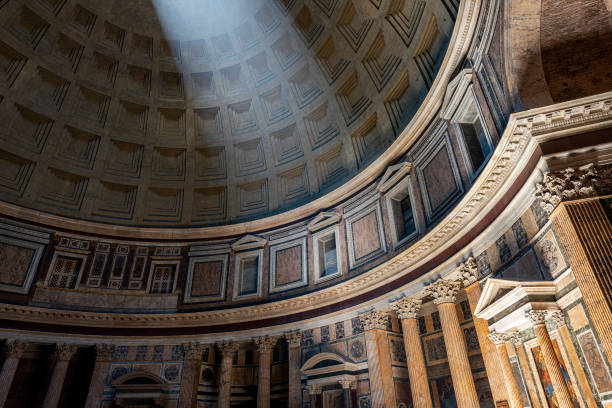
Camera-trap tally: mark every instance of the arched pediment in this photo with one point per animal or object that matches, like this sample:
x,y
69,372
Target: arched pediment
x,y
325,361
140,378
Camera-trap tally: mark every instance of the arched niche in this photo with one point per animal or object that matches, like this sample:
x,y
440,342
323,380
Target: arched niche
x,y
141,389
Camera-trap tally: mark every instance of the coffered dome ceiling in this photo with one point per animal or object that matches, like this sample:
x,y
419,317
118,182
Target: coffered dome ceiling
x,y
196,113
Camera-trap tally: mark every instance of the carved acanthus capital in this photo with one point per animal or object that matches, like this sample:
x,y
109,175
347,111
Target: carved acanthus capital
x,y
294,338
374,319
469,271
407,308
104,351
498,337
228,348
64,351
515,337
14,348
265,344
443,291
346,384
193,351
315,389
558,318
536,317
565,185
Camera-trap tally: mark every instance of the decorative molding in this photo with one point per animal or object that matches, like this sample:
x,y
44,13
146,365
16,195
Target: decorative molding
x,y
498,338
558,318
407,308
469,271
565,185
265,344
537,317
374,319
104,351
514,337
193,351
14,348
455,91
249,242
443,291
294,338
324,219
228,348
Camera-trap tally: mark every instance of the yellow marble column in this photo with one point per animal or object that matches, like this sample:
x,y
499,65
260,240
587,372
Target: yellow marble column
x,y
444,293
104,353
14,350
514,397
559,319
516,340
188,395
382,390
316,393
407,310
469,274
228,349
265,345
294,339
346,393
561,392
585,234
63,354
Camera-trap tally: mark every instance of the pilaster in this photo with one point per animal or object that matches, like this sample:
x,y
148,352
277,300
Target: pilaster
x,y
63,354
514,397
294,338
191,372
104,353
14,350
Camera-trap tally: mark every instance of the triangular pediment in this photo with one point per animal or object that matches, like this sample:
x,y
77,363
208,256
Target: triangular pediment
x,y
249,242
323,220
392,175
454,93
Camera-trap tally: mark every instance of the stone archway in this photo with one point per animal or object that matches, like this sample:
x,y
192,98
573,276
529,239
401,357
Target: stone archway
x,y
331,381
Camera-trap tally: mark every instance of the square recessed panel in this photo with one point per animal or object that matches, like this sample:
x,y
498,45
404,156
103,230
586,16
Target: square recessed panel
x,y
288,265
206,278
365,235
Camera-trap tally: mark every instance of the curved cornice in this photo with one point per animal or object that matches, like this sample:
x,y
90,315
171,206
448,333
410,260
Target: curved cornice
x,y
513,161
459,44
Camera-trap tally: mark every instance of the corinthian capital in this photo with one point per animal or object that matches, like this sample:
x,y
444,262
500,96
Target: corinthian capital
x,y
515,337
537,317
498,337
567,184
104,351
228,348
443,291
469,271
407,308
374,319
14,348
193,351
265,344
558,318
64,352
294,338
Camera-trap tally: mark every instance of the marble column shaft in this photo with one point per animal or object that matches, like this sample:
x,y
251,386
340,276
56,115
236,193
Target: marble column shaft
x,y
104,354
346,393
14,350
295,377
382,390
528,375
514,396
316,396
584,233
191,374
64,353
407,310
444,293
487,348
265,345
225,378
561,391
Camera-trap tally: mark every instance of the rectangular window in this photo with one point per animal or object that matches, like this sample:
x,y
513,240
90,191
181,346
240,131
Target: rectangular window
x,y
329,259
326,254
249,275
65,273
407,217
476,142
163,279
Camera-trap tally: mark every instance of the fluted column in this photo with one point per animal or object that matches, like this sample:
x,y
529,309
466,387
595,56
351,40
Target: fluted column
x,y
264,346
191,375
562,394
294,339
514,397
516,340
315,391
63,354
228,349
407,310
469,274
346,393
104,353
444,294
584,230
382,390
14,350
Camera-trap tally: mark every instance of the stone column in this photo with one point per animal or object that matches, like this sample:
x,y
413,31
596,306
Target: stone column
x,y
191,375
444,293
514,397
584,233
382,390
63,353
469,273
407,310
228,349
562,394
294,339
559,319
265,345
104,353
346,393
14,350
315,392
515,338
